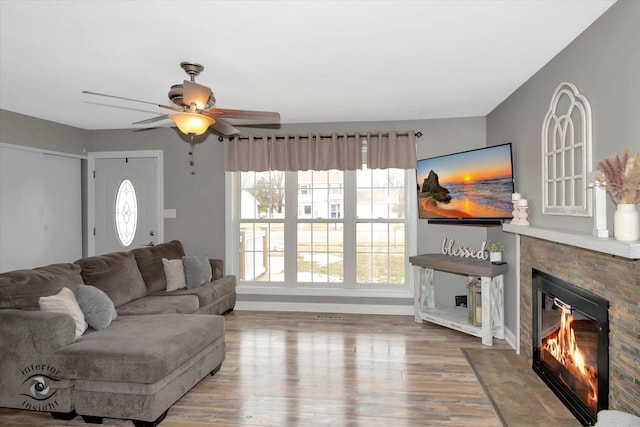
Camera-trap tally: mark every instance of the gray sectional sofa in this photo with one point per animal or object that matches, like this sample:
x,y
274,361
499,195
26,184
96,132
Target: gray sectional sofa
x,y
158,347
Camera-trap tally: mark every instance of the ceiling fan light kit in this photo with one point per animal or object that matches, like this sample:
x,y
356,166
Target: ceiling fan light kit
x,y
192,123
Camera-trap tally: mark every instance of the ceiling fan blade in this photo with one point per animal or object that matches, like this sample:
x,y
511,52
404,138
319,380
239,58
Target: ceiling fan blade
x,y
195,93
152,119
134,100
223,128
265,117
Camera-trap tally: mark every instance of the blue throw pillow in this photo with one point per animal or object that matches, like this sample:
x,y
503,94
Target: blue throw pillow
x,y
197,271
97,307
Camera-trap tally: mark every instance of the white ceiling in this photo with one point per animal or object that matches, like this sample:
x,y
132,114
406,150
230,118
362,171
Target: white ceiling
x,y
313,61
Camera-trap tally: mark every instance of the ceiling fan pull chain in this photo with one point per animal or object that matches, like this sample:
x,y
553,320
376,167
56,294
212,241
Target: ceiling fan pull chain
x,y
191,163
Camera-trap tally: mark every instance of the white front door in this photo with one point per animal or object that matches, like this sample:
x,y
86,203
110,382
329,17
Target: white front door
x,y
127,201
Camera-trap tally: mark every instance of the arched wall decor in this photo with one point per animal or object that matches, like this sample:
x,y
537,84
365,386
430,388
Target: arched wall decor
x,y
566,153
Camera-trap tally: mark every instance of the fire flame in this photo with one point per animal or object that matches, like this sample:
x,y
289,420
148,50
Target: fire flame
x,y
566,351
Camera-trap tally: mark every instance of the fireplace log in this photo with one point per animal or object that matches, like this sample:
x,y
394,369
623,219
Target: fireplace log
x,y
572,378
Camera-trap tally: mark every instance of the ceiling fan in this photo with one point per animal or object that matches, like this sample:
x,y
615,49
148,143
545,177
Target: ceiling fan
x,y
195,112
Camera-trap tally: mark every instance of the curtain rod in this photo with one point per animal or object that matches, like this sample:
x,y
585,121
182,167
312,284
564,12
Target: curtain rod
x,y
418,135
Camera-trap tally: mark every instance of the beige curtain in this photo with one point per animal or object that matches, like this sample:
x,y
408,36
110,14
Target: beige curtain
x,y
294,153
247,154
391,150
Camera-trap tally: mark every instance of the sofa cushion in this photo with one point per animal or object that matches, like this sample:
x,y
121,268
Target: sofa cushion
x,y
157,305
116,274
140,349
197,271
217,268
149,260
207,293
174,273
97,307
23,288
65,302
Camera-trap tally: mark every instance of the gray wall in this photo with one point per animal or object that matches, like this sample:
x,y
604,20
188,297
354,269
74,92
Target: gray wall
x,y
199,199
446,136
28,131
440,136
604,63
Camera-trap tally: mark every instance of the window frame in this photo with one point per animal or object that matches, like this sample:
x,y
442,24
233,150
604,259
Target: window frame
x,y
343,289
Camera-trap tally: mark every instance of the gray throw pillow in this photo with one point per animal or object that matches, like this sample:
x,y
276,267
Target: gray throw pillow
x,y
197,271
97,307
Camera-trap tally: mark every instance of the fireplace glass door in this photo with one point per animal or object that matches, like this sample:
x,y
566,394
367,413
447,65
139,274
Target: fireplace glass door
x,y
570,344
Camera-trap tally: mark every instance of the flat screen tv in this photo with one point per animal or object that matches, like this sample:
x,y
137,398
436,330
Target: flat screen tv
x,y
472,187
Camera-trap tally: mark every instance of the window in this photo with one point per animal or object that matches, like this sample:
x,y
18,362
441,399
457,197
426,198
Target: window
x,y
333,229
380,228
126,212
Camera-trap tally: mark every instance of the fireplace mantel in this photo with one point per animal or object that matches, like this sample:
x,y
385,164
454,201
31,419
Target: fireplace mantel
x,y
581,240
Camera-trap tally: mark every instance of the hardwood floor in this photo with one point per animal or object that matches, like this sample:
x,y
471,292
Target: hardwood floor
x,y
308,369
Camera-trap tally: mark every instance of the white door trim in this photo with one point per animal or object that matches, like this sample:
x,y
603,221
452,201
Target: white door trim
x,y
91,191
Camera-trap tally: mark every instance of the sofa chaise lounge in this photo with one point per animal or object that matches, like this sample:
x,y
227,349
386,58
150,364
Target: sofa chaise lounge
x,y
157,348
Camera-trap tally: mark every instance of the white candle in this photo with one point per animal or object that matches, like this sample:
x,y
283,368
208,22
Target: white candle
x,y
479,314
515,196
523,202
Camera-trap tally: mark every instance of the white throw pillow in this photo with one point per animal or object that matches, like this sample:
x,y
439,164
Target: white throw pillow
x,y
65,302
174,273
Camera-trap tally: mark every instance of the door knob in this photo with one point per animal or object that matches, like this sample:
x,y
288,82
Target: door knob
x,y
150,244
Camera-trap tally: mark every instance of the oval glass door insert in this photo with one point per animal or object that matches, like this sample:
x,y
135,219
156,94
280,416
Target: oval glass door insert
x,y
126,212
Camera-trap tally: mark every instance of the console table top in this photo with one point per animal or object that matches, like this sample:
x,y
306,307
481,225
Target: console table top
x,y
459,265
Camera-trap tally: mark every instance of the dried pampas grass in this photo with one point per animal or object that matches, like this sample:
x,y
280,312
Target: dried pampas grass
x,y
622,177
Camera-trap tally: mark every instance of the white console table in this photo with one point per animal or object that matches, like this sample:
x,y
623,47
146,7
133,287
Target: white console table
x,y
492,288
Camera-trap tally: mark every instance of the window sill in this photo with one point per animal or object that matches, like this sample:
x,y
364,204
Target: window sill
x,y
249,289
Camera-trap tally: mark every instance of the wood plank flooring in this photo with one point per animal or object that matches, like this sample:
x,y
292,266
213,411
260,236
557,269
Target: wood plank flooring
x,y
309,369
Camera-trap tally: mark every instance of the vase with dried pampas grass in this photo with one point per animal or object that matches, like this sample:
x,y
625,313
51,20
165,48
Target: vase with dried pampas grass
x,y
622,179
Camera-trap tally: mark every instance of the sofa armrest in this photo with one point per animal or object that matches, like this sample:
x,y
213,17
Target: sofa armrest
x,y
217,268
26,331
29,340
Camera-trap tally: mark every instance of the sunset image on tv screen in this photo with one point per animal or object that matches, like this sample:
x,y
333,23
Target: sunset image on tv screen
x,y
471,184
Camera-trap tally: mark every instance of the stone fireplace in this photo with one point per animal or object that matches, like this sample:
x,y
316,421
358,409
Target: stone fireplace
x,y
614,278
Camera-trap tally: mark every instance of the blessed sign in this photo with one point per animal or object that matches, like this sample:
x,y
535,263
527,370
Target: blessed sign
x,y
463,251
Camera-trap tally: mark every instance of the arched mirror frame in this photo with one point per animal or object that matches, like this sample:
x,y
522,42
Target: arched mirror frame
x,y
566,153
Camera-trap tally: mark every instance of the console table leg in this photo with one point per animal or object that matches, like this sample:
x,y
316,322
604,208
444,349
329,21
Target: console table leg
x,y
416,294
423,291
497,306
487,310
428,298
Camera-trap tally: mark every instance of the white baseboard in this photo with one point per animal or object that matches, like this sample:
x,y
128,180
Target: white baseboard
x,y
400,310
510,338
